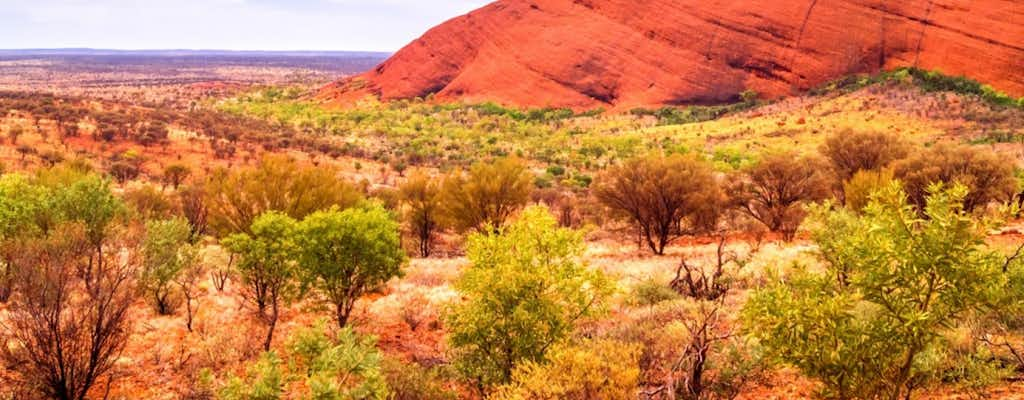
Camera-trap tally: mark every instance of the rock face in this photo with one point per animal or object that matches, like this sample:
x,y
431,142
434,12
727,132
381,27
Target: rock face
x,y
619,54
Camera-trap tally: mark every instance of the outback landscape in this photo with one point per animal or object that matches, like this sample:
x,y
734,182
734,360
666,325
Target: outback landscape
x,y
543,199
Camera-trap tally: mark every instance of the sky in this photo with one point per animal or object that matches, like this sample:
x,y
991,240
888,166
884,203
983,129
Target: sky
x,y
358,25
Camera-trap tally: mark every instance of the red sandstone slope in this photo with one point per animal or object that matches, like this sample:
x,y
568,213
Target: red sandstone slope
x,y
626,53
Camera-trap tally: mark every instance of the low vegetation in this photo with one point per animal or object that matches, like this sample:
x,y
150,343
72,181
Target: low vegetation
x,y
414,250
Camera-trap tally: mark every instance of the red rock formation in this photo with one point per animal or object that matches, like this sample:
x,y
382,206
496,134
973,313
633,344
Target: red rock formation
x,y
627,53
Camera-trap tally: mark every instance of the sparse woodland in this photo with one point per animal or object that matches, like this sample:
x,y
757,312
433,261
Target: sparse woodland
x,y
260,247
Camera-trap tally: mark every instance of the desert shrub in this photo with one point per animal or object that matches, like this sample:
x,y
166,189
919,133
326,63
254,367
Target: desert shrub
x,y
987,176
524,292
337,365
166,253
591,370
487,195
68,324
269,276
89,200
859,188
851,151
414,382
421,201
149,203
775,190
650,292
664,197
870,324
263,380
315,364
235,198
343,254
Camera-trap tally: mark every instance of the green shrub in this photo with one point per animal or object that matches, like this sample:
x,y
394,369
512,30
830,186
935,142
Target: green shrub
x,y
863,185
166,253
524,292
414,382
870,324
344,254
599,369
650,292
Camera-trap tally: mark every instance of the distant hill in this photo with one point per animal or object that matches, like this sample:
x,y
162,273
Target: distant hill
x,y
624,53
341,62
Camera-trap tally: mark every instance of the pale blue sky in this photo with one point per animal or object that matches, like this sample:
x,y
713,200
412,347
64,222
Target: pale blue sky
x,y
370,25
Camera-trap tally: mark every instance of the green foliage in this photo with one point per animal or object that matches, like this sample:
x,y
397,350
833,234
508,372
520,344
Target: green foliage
x,y
651,291
90,201
487,195
929,81
414,382
344,254
524,292
693,114
266,257
167,252
600,369
317,364
277,183
871,323
345,366
263,380
863,185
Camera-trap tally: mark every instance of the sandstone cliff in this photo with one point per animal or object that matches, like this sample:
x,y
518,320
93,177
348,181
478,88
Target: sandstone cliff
x,y
626,53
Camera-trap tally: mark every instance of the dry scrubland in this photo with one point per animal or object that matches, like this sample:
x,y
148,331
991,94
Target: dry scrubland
x,y
598,297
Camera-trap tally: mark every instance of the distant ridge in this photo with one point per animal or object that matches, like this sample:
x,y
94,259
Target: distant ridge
x,y
187,52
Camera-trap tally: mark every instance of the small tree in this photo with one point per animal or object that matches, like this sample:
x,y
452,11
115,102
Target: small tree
x,y
344,254
487,195
665,197
175,175
988,176
166,254
192,201
524,292
88,199
775,190
192,271
268,273
851,151
420,195
870,325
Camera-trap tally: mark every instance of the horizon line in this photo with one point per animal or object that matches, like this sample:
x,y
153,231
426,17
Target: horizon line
x,y
196,50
